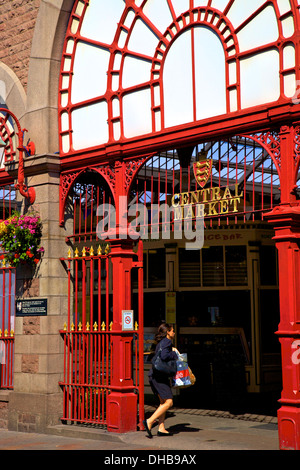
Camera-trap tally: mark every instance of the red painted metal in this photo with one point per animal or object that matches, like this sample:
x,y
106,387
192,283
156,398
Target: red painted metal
x,y
7,315
7,135
259,123
103,365
245,120
286,221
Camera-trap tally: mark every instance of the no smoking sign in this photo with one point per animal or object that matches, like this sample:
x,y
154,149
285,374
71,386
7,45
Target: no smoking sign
x,y
127,319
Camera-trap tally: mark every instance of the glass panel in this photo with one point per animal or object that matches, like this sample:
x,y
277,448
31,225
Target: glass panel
x,y
156,268
180,6
288,57
213,266
157,116
101,20
178,82
74,26
241,10
135,71
236,265
210,74
90,72
290,85
270,318
67,64
65,143
64,121
284,6
288,27
129,19
256,34
137,113
232,73
64,99
268,265
117,130
158,13
116,107
65,81
90,125
142,39
122,39
219,4
189,268
260,79
79,8
233,100
70,46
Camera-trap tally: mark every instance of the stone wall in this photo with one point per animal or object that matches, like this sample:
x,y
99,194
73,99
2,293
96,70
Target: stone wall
x,y
17,22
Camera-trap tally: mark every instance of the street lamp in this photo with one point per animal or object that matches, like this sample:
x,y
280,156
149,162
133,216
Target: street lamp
x,y
28,193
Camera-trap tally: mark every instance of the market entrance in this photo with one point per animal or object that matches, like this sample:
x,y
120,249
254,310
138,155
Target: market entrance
x,y
218,286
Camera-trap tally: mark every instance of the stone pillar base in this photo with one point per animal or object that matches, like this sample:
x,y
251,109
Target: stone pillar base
x,y
289,428
33,412
122,412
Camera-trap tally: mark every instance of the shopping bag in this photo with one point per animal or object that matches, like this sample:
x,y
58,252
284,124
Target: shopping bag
x,y
184,377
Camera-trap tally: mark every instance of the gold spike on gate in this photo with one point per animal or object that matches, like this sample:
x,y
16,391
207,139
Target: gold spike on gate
x,y
79,326
0,332
95,326
107,249
72,327
76,252
136,326
99,251
88,326
5,333
103,326
69,253
12,332
110,326
83,251
91,251
65,327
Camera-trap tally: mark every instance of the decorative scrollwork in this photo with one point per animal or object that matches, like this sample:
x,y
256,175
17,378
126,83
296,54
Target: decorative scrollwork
x,y
66,182
132,167
108,173
270,141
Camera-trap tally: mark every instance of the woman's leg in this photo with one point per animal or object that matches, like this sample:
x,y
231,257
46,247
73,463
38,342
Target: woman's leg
x,y
160,414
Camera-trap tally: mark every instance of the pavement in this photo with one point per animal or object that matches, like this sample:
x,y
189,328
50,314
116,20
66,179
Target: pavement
x,y
193,431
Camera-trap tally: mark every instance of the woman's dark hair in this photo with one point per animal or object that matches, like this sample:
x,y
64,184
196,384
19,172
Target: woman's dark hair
x,y
162,331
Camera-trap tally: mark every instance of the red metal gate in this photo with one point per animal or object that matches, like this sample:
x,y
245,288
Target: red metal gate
x,y
7,315
89,335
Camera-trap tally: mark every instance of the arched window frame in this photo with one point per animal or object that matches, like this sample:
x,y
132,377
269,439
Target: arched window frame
x,y
198,16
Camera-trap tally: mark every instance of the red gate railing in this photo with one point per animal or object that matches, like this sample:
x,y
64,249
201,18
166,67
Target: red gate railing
x,y
7,315
88,340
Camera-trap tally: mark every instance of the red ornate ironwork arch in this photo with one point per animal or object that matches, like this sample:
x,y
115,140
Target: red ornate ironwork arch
x,y
68,180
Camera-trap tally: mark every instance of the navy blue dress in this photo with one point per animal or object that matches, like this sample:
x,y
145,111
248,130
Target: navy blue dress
x,y
159,382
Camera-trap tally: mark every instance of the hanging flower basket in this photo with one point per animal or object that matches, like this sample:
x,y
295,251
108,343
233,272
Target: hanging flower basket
x,y
20,238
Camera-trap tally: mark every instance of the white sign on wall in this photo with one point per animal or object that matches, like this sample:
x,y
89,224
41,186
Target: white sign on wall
x,y
127,319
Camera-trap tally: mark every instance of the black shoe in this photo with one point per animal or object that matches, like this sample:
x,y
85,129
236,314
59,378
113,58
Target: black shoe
x,y
147,429
159,433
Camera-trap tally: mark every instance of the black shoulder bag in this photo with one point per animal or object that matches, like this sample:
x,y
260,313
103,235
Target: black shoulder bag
x,y
166,367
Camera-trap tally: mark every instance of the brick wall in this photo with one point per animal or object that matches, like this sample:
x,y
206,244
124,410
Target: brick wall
x,y
17,21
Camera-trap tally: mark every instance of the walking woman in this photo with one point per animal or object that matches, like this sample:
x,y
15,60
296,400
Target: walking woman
x,y
160,382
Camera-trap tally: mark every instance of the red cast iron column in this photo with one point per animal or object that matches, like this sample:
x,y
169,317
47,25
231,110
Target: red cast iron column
x,y
122,401
286,222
